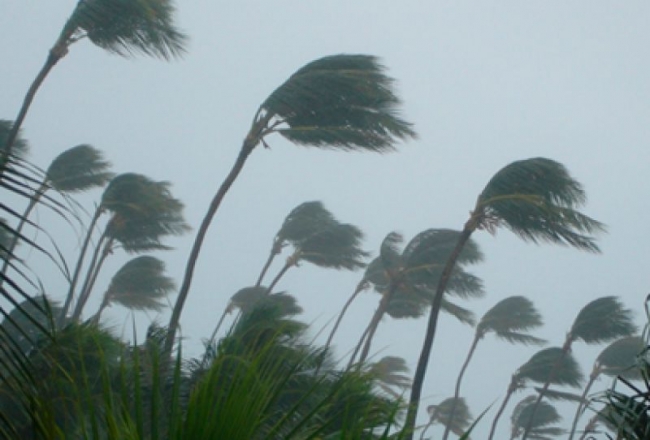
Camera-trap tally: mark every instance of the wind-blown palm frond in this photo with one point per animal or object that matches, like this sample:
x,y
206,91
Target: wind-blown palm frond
x,y
340,101
540,365
509,318
391,372
441,413
618,358
602,320
303,220
78,169
537,199
128,27
248,298
545,415
20,145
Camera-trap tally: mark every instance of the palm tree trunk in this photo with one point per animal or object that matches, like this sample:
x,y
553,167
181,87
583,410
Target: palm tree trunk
x,y
275,250
565,349
458,382
360,287
358,347
251,141
216,329
376,319
56,53
288,265
418,379
14,242
104,304
511,390
77,270
592,378
93,271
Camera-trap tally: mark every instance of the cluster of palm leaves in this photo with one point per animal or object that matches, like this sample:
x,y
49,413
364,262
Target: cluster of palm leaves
x,y
66,376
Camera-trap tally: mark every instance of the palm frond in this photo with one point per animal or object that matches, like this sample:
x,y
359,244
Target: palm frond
x,y
603,320
78,169
619,358
336,246
509,318
341,101
461,313
389,251
537,199
561,395
552,362
20,146
442,413
141,284
303,220
248,298
543,416
435,245
391,372
128,27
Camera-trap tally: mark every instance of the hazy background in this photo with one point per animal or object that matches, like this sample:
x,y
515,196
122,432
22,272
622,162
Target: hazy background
x,y
485,83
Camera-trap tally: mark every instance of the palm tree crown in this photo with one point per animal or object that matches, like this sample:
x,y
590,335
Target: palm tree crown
x,y
602,320
78,169
542,419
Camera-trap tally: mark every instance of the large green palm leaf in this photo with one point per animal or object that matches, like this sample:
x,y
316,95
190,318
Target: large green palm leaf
x,y
342,101
78,169
542,419
602,320
458,422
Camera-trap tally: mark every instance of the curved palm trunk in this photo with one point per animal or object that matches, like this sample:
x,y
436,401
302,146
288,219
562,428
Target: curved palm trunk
x,y
77,270
511,390
59,50
376,319
360,287
358,347
592,378
420,372
551,374
275,250
216,329
247,148
458,382
288,265
104,304
93,271
19,228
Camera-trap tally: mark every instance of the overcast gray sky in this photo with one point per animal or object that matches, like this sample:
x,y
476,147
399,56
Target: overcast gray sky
x,y
485,83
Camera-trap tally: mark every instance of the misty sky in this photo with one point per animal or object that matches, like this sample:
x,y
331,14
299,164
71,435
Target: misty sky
x,y
485,83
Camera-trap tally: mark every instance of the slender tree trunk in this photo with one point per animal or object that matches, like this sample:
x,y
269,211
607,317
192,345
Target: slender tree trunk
x,y
360,287
275,250
420,372
551,374
216,329
511,390
592,378
104,304
291,261
77,270
56,53
358,347
376,319
91,277
458,382
251,141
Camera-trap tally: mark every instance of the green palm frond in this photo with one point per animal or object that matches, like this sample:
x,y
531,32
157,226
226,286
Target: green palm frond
x,y
5,240
340,101
619,358
433,247
20,146
248,298
565,396
335,246
141,284
389,251
509,318
303,220
126,27
78,169
464,315
543,416
551,362
391,372
442,413
537,199
602,320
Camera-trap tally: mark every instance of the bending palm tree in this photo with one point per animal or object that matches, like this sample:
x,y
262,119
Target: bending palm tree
x,y
509,319
540,420
602,320
140,284
391,372
77,169
123,28
343,102
441,413
538,370
618,358
538,200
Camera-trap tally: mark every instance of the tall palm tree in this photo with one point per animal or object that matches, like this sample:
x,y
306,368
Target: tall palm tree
x,y
77,169
301,222
542,419
538,200
344,102
122,28
406,279
538,369
510,319
618,358
601,320
140,284
143,211
441,413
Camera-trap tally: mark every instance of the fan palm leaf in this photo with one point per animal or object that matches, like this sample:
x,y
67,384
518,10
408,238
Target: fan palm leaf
x,y
545,415
508,320
539,201
309,109
441,413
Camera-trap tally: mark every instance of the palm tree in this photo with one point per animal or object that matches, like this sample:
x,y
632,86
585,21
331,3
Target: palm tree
x,y
344,102
140,284
406,279
618,358
545,416
538,200
538,369
509,320
441,413
391,372
122,28
602,320
142,211
77,169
